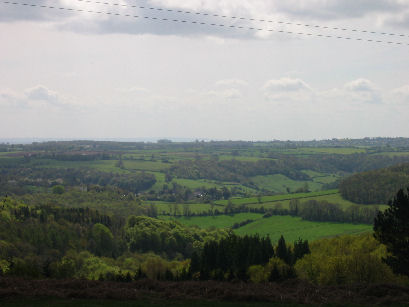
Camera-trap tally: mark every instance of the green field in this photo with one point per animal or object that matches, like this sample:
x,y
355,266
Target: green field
x,y
220,221
141,165
279,183
169,208
290,227
277,198
321,150
335,198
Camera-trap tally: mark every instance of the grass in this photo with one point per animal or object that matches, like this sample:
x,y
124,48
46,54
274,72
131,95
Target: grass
x,y
290,227
321,150
141,165
279,183
220,221
166,208
334,198
277,198
293,228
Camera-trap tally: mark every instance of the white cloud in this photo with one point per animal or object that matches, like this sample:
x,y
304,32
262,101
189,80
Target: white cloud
x,y
232,83
360,85
287,89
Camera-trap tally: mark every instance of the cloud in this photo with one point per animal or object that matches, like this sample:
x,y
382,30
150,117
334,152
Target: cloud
x,y
400,20
232,83
362,90
360,85
190,14
337,9
41,93
287,89
134,89
10,98
286,85
229,94
401,94
37,96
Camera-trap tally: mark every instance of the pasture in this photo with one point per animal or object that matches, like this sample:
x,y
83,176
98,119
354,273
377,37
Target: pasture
x,y
290,227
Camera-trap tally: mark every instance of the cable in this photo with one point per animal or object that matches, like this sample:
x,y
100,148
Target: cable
x,y
201,23
248,19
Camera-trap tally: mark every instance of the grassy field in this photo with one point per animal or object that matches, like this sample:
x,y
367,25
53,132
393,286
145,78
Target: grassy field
x,y
320,150
277,198
290,227
279,183
293,228
220,221
335,198
166,208
141,165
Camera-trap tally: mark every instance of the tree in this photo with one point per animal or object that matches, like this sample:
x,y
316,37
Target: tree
x,y
58,189
392,229
103,238
282,251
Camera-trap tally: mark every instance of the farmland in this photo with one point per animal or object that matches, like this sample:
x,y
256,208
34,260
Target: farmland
x,y
191,213
292,228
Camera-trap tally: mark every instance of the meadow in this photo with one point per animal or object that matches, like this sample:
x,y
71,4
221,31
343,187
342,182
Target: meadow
x,y
290,227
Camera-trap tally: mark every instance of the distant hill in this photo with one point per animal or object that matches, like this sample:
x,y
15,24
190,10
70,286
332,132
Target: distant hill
x,y
377,186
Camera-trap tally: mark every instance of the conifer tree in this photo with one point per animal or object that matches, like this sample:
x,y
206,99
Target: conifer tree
x,y
392,229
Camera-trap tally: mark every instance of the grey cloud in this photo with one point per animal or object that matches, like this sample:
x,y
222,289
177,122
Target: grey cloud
x,y
232,83
402,93
399,20
286,85
363,90
188,24
32,97
42,93
337,9
12,12
360,85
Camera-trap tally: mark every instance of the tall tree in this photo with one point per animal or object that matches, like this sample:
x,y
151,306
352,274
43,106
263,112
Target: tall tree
x,y
392,229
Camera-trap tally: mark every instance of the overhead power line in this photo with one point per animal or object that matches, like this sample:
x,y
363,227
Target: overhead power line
x,y
201,23
281,22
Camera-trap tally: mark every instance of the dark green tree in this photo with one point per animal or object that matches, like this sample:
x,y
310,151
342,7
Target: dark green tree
x,y
282,251
391,228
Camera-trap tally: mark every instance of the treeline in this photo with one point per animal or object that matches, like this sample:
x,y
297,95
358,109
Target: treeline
x,y
47,241
375,187
233,170
382,143
231,257
323,211
310,210
290,166
174,192
19,180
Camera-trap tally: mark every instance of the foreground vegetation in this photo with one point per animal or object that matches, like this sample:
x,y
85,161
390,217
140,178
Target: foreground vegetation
x,y
232,212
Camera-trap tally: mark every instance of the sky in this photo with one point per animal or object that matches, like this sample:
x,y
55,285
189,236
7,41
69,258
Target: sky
x,y
125,72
